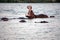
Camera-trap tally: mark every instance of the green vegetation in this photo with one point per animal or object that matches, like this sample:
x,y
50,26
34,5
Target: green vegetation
x,y
29,1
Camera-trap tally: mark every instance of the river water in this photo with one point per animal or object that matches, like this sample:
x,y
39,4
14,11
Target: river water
x,y
15,30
